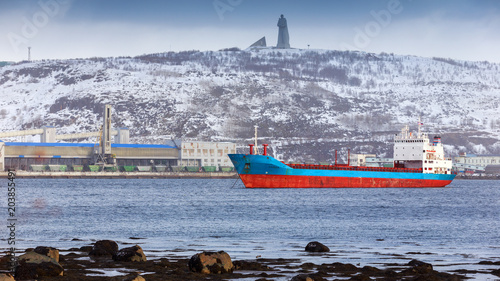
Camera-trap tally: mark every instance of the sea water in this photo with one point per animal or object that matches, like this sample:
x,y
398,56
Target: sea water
x,y
453,227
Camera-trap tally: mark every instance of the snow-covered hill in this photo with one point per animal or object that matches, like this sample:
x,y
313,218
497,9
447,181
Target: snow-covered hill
x,y
306,102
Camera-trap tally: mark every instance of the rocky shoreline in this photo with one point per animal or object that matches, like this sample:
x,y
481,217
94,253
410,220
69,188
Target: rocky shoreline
x,y
104,261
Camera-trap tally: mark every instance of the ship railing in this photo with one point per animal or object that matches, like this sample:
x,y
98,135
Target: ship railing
x,y
344,167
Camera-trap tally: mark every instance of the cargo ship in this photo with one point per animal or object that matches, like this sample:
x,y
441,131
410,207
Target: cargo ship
x,y
418,163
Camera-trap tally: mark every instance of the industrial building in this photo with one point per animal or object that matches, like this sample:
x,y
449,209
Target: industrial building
x,y
29,156
475,164
359,159
379,162
207,154
80,156
120,155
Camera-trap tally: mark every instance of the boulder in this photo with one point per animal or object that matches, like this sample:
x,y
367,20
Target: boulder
x,y
86,249
211,262
133,277
34,266
48,251
104,248
420,267
370,270
250,265
308,277
5,261
338,267
134,254
302,277
315,246
6,277
360,277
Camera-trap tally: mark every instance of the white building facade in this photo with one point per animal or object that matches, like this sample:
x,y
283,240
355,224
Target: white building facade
x,y
197,153
359,159
474,163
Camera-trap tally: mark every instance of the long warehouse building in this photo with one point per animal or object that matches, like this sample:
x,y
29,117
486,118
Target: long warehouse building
x,y
31,156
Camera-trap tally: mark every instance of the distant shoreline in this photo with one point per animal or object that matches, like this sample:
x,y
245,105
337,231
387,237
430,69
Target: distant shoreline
x,y
458,177
121,175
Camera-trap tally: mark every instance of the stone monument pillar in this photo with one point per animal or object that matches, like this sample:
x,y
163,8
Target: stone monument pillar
x,y
283,38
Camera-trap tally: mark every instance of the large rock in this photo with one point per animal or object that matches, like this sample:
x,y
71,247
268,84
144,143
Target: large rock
x,y
133,277
307,277
211,262
6,277
420,267
86,249
338,267
34,266
48,251
134,254
315,246
302,277
424,271
250,265
104,248
6,262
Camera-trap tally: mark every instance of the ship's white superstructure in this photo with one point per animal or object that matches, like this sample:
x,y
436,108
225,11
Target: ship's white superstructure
x,y
414,150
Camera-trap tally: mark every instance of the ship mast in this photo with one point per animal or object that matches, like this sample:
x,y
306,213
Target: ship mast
x,y
419,127
255,148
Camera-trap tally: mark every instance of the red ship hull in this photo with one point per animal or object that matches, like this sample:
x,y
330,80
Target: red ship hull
x,y
287,181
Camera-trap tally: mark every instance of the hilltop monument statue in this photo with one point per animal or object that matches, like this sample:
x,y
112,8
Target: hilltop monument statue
x,y
283,38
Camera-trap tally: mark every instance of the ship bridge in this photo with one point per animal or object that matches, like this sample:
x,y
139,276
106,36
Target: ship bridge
x,y
414,150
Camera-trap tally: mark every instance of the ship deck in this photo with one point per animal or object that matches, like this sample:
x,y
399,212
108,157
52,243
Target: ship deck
x,y
353,168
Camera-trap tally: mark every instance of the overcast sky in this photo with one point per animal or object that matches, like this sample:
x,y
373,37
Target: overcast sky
x,y
59,29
